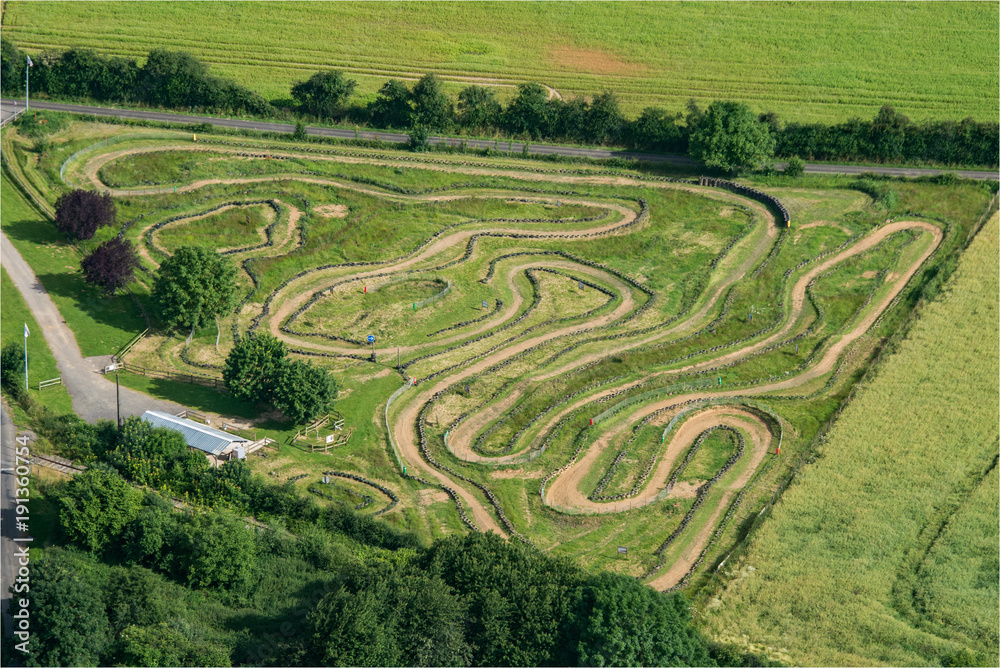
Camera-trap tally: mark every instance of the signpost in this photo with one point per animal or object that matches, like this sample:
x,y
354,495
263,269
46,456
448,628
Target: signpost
x,y
485,305
330,438
622,550
371,340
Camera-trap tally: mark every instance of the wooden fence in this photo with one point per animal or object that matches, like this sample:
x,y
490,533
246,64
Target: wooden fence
x,y
197,379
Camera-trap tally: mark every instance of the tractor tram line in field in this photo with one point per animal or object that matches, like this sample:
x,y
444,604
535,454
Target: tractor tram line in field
x,y
553,369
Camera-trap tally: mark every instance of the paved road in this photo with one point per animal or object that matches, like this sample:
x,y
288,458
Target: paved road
x,y
8,564
9,111
93,394
537,149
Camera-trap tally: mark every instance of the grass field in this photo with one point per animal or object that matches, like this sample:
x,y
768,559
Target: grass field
x,y
610,292
807,61
14,315
885,551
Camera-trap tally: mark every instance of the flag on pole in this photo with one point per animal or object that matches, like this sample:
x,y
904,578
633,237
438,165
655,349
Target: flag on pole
x,y
30,64
26,332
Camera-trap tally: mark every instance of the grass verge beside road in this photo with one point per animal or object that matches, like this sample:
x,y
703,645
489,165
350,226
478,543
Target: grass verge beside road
x,y
14,314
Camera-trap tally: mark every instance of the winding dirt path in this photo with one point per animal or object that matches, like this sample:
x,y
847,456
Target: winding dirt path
x,y
565,491
293,220
444,243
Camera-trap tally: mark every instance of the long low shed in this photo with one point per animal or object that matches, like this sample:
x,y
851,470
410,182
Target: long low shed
x,y
218,446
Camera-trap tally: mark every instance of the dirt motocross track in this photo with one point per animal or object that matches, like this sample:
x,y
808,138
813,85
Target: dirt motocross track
x,y
563,490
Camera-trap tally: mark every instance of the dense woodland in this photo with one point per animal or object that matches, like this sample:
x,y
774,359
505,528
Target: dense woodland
x,y
153,558
177,80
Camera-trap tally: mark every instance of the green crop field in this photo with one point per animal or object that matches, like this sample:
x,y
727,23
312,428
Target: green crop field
x,y
889,541
629,316
806,61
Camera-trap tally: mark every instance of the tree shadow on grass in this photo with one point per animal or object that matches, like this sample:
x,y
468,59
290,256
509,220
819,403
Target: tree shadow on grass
x,y
210,400
35,231
118,311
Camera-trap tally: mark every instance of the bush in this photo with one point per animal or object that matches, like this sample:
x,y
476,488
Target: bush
x,y
324,94
796,167
303,391
11,365
95,507
418,139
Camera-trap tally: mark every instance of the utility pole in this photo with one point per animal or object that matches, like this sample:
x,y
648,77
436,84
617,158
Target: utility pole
x,y
26,332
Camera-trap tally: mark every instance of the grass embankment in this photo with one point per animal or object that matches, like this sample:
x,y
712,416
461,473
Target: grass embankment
x,y
872,556
805,61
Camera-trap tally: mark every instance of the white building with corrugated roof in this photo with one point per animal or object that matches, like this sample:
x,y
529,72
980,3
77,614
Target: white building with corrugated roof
x,y
218,446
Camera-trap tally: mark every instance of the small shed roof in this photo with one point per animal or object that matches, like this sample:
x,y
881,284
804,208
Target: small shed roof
x,y
197,435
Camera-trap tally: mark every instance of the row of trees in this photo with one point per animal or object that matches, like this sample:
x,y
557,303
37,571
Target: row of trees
x,y
173,79
533,114
178,80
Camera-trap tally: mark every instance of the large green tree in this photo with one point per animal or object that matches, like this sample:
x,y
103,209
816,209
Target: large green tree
x,y
303,391
96,505
220,552
604,119
528,113
431,107
622,622
381,615
324,94
391,108
68,619
519,599
729,136
253,367
478,108
193,285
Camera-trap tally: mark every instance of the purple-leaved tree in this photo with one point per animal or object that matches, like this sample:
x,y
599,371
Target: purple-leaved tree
x,y
112,265
80,212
